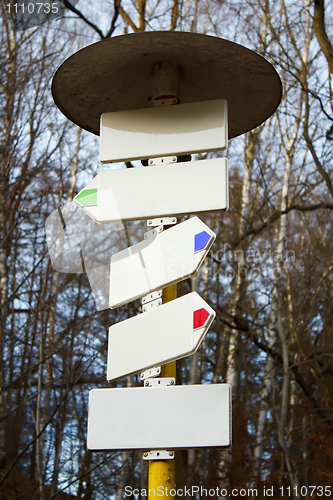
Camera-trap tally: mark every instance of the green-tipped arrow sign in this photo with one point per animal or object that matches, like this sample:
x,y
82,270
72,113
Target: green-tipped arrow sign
x,y
156,191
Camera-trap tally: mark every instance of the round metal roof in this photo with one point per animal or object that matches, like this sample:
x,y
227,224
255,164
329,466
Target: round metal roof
x,y
116,74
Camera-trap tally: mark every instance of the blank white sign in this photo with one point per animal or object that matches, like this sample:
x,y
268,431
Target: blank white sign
x,y
184,416
163,131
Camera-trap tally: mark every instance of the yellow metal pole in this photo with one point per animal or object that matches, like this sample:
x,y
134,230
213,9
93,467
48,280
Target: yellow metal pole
x,y
161,473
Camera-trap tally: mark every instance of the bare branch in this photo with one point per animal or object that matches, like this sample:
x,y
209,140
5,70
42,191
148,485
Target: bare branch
x,y
276,215
174,15
116,4
142,11
69,6
128,19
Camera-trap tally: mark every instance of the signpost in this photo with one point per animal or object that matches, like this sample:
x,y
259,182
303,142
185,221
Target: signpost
x,y
207,75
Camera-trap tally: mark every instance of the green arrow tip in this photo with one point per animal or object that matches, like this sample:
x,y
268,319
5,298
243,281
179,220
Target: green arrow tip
x,y
87,197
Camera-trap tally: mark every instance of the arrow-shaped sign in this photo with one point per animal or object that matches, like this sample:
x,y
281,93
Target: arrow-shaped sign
x,y
158,261
156,191
120,418
171,331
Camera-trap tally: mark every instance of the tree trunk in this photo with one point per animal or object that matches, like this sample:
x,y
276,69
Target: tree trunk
x,y
237,290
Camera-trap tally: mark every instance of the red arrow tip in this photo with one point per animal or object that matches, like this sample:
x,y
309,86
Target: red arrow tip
x,y
200,317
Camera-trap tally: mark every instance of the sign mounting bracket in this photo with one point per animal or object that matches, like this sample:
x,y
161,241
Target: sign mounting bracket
x,y
160,382
164,221
163,160
152,372
158,455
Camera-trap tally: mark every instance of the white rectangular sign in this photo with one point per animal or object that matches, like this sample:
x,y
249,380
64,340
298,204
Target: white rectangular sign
x,y
163,131
158,261
156,191
163,334
184,416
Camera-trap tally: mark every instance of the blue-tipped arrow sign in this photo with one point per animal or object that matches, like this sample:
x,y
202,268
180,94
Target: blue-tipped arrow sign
x,y
158,261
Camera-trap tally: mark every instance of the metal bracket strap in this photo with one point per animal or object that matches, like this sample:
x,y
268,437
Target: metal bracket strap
x,y
158,455
163,102
159,382
152,233
151,305
152,372
163,160
151,301
165,221
151,296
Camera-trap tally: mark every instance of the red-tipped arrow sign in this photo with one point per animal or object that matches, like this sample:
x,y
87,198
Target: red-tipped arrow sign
x,y
171,331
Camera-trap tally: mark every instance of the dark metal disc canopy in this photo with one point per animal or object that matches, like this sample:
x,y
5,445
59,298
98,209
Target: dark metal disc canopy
x,y
116,74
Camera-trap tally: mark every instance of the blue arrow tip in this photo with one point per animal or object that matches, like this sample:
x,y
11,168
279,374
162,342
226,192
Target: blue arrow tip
x,y
201,240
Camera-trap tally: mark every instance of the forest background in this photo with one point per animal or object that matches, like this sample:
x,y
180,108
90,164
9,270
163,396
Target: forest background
x,y
268,275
